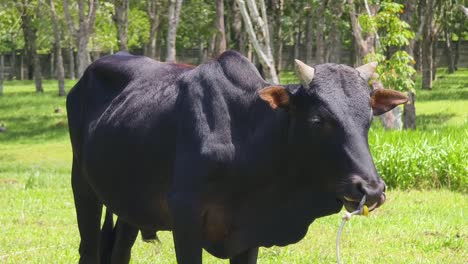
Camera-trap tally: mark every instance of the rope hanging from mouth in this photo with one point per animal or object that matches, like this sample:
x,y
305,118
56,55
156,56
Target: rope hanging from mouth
x,y
361,210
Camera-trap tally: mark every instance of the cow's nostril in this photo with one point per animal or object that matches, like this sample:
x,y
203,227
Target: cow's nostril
x,y
360,188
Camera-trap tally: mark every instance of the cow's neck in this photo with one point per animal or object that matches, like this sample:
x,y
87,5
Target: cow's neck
x,y
267,143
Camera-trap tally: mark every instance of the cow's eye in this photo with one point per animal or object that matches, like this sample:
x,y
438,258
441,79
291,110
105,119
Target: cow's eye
x,y
315,121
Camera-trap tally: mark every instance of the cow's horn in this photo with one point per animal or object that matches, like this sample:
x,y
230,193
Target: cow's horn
x,y
367,70
304,72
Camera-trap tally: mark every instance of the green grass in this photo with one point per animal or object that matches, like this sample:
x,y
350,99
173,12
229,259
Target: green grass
x,y
38,226
428,225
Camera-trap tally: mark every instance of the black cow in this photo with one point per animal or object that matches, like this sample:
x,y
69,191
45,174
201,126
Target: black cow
x,y
225,160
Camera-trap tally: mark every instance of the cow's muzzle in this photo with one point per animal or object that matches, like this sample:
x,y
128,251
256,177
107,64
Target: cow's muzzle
x,y
352,204
352,194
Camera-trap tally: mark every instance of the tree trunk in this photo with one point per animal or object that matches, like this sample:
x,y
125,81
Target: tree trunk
x,y
363,46
297,42
22,67
82,55
333,52
84,30
13,65
228,24
60,72
239,37
71,65
37,72
201,50
154,21
173,23
210,46
30,39
120,17
457,54
278,10
427,44
434,57
308,38
409,110
51,64
2,68
259,37
220,35
427,65
159,43
449,52
320,33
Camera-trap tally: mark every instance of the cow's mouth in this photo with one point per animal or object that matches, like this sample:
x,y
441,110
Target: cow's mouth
x,y
353,204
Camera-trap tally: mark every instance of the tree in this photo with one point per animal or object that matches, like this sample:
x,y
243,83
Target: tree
x,y
259,36
238,38
2,70
120,17
395,64
58,50
309,35
173,23
71,60
364,44
334,45
277,16
10,36
432,17
220,34
28,11
104,36
452,25
82,31
154,15
320,52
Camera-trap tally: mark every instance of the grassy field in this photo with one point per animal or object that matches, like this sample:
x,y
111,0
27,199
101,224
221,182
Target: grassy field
x,y
424,220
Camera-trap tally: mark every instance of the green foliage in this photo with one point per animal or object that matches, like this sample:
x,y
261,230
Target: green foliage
x,y
395,71
196,23
104,38
11,35
138,29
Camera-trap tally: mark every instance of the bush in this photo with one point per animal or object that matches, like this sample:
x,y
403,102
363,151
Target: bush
x,y
422,159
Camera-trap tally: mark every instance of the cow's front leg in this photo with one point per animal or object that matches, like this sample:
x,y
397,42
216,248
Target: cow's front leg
x,y
186,229
88,213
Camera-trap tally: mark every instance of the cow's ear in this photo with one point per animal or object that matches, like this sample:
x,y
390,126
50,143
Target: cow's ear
x,y
383,100
276,96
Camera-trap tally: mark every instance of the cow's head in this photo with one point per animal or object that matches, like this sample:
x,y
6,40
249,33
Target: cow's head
x,y
330,115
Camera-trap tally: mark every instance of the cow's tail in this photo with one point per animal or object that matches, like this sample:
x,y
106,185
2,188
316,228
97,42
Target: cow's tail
x,y
107,237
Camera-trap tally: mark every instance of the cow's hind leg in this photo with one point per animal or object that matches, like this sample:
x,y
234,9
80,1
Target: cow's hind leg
x,y
88,213
247,257
125,235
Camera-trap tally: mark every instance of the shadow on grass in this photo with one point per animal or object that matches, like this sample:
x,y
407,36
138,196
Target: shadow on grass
x,y
432,121
435,95
38,127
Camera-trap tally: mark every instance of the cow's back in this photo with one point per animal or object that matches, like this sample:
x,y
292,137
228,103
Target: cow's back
x,y
122,127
